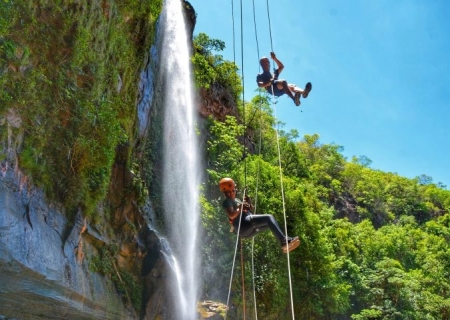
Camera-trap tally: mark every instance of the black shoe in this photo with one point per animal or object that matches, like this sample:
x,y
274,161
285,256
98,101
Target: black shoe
x,y
297,98
308,88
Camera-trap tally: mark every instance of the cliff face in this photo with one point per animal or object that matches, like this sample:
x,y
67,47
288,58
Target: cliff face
x,y
217,101
61,257
44,271
76,269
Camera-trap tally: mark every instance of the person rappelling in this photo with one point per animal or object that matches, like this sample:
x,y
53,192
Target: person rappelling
x,y
251,224
276,86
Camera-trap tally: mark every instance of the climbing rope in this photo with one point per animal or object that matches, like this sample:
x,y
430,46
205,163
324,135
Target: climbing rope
x,y
257,168
243,94
232,17
243,277
245,166
270,27
244,151
256,33
245,161
285,220
234,257
281,173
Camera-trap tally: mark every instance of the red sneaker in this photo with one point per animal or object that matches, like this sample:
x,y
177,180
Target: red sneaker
x,y
292,244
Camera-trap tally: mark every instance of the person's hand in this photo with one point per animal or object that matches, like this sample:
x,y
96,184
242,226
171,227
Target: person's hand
x,y
272,55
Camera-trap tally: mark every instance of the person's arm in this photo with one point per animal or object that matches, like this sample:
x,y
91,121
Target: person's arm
x,y
262,84
249,203
278,62
232,213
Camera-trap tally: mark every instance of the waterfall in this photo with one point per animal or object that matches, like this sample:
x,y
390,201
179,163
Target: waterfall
x,y
181,168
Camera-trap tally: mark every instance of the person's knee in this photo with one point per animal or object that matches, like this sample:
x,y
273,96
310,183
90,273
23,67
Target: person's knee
x,y
268,219
281,84
284,83
271,218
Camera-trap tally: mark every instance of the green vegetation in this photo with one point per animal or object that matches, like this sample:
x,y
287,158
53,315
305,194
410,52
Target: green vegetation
x,y
374,245
69,70
211,69
69,74
125,282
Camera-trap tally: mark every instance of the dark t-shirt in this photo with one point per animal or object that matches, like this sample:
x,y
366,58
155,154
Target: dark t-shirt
x,y
228,203
267,76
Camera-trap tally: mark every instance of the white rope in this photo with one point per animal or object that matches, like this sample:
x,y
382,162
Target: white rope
x,y
284,213
253,279
256,203
257,180
281,174
255,207
234,258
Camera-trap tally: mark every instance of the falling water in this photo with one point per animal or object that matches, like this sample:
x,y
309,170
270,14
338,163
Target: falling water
x,y
181,169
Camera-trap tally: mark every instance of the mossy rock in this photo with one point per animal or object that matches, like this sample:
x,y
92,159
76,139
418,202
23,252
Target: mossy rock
x,y
211,310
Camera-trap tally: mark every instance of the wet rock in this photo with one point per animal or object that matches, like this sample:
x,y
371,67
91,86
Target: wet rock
x,y
190,16
42,269
217,101
211,310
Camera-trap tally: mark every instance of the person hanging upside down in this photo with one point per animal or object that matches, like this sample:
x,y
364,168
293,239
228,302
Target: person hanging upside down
x,y
276,86
251,224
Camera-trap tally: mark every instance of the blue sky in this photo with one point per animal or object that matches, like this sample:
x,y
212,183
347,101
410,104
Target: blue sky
x,y
380,72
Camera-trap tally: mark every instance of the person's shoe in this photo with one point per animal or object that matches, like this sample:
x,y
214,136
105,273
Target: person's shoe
x,y
292,244
308,88
297,98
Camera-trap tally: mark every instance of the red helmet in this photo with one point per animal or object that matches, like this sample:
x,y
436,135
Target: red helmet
x,y
227,184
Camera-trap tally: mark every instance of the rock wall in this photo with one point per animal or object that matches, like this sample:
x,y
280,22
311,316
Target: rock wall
x,y
217,101
46,255
43,271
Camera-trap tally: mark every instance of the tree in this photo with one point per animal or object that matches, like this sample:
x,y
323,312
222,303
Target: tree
x,y
210,68
224,151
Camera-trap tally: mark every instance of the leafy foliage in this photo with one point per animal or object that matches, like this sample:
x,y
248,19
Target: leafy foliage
x,y
211,68
374,245
68,70
104,263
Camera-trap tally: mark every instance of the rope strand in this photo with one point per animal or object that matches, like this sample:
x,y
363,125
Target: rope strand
x,y
270,27
243,96
285,221
234,46
256,33
257,168
253,279
243,277
234,258
245,164
281,178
